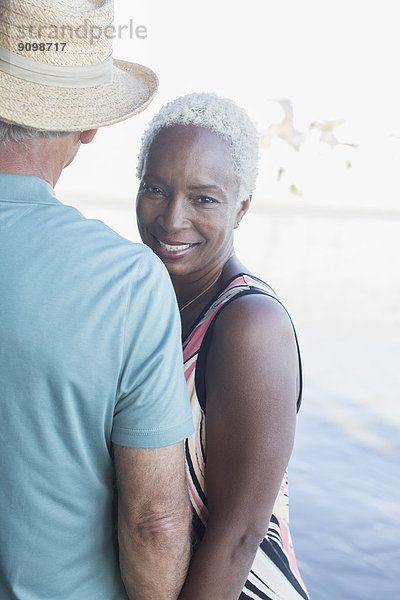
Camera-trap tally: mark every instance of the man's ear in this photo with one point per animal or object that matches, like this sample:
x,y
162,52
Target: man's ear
x,y
87,136
243,208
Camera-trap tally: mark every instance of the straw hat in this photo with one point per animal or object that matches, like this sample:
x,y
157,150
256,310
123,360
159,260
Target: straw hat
x,y
56,67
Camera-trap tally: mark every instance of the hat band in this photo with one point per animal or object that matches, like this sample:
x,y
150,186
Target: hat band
x,y
82,76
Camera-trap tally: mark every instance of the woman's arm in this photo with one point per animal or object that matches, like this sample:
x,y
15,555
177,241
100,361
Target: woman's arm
x,y
252,376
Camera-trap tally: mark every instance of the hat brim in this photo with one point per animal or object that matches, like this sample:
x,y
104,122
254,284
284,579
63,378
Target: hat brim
x,y
47,108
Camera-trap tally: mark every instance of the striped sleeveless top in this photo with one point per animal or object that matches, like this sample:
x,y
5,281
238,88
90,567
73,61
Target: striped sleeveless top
x,y
274,574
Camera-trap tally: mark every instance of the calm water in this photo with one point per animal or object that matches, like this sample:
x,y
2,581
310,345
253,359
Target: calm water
x,y
336,271
345,512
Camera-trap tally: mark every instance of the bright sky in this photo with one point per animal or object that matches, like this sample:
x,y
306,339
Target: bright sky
x,y
332,59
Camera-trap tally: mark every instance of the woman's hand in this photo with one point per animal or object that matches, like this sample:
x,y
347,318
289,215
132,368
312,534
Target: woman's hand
x,y
252,383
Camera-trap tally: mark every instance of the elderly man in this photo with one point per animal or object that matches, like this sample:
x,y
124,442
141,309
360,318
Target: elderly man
x,y
93,399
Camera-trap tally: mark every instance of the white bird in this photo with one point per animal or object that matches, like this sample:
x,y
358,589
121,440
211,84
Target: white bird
x,y
285,129
326,128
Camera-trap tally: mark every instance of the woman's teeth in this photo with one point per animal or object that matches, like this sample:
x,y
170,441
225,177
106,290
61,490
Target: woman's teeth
x,y
173,248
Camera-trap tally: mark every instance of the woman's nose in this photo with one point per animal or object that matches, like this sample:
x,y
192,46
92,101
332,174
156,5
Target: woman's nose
x,y
174,217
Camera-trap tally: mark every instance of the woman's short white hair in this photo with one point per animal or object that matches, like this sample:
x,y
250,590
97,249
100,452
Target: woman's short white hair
x,y
221,115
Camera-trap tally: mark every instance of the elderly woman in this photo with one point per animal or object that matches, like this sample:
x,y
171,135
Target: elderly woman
x,y
197,170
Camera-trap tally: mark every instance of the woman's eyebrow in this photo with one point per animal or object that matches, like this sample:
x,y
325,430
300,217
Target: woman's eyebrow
x,y
154,177
207,186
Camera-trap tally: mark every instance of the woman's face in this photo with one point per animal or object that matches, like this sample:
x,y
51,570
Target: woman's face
x,y
187,202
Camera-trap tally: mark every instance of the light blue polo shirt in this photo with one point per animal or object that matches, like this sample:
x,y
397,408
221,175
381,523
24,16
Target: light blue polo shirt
x,y
89,353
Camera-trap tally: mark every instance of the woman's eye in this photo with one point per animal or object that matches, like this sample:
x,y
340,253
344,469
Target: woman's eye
x,y
205,200
151,189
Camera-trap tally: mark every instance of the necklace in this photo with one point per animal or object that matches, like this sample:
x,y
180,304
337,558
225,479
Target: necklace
x,y
201,293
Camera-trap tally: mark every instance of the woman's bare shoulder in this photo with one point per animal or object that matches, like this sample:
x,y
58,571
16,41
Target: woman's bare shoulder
x,y
253,317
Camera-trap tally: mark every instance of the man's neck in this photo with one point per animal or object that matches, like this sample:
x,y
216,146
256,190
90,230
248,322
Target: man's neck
x,y
26,168
42,157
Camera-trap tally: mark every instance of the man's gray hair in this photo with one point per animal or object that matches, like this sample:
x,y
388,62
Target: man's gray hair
x,y
21,135
221,115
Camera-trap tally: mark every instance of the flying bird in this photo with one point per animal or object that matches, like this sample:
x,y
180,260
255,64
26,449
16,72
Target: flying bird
x,y
284,129
326,128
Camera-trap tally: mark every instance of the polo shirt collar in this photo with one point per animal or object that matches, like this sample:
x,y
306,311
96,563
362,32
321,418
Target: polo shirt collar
x,y
26,188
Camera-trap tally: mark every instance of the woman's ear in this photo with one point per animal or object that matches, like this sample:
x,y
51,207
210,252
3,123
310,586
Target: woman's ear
x,y
243,208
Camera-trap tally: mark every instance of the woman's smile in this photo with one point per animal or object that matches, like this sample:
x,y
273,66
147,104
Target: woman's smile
x,y
171,250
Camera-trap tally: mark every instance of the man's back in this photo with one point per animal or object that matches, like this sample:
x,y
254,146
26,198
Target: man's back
x,y
77,364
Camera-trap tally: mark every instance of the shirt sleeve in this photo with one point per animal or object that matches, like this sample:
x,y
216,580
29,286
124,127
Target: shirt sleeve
x,y
152,408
